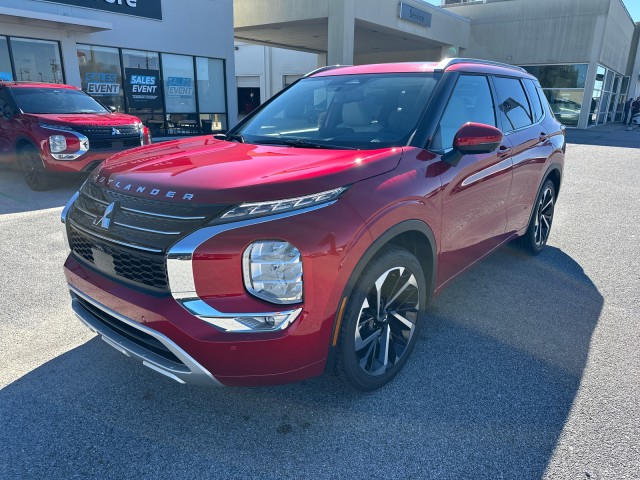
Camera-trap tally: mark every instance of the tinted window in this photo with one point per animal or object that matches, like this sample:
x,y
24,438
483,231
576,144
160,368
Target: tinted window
x,y
471,101
534,100
55,100
512,104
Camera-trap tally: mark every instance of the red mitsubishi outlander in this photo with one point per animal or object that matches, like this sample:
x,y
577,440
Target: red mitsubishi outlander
x,y
313,235
52,128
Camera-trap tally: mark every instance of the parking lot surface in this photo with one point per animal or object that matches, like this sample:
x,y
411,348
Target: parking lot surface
x,y
527,368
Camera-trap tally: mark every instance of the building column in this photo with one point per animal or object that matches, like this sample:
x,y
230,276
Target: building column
x,y
340,38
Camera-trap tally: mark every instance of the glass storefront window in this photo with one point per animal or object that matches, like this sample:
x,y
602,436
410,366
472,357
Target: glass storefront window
x,y
37,60
210,73
565,105
5,61
101,75
179,80
560,76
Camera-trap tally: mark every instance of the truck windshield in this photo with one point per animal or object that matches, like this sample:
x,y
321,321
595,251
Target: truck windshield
x,y
343,111
55,100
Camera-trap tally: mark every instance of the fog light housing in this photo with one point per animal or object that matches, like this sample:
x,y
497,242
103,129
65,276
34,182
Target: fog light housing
x,y
272,271
57,143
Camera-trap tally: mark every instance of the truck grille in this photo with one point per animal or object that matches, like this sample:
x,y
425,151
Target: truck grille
x,y
132,249
115,138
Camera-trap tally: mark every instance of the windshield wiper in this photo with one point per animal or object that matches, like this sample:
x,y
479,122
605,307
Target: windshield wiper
x,y
301,143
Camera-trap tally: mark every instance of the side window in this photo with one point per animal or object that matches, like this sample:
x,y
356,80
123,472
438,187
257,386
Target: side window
x,y
471,101
534,99
513,105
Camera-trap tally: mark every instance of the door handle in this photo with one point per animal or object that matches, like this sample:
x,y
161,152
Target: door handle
x,y
543,137
504,151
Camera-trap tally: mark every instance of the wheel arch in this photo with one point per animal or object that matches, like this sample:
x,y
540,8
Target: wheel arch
x,y
412,235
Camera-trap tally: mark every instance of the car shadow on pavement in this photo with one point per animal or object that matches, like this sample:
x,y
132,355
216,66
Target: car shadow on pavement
x,y
16,196
486,394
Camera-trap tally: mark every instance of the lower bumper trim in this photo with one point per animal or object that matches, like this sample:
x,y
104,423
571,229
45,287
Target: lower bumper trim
x,y
190,371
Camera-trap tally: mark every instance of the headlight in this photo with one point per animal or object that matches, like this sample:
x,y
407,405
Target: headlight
x,y
279,206
272,271
57,143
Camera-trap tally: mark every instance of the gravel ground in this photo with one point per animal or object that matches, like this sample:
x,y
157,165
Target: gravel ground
x,y
528,368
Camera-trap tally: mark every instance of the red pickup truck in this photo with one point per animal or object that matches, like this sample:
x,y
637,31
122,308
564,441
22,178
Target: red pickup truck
x,y
52,128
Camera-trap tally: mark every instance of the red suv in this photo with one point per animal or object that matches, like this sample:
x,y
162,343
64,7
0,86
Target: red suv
x,y
52,128
313,236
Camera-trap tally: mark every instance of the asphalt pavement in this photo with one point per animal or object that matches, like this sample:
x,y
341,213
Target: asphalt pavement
x,y
527,368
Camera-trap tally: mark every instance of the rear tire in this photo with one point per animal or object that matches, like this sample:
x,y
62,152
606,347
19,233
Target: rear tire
x,y
535,238
382,320
36,177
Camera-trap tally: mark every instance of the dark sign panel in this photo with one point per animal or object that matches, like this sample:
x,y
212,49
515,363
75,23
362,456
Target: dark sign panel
x,y
137,8
143,88
414,15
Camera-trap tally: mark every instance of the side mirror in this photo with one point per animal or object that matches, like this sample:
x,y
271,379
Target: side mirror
x,y
473,138
112,109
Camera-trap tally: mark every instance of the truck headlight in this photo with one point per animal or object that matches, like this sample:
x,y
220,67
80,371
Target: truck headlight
x,y
57,143
272,271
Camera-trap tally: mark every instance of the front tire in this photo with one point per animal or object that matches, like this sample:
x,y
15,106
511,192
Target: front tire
x,y
381,320
36,177
537,234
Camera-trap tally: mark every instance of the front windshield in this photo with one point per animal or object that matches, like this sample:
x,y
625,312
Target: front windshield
x,y
344,111
55,100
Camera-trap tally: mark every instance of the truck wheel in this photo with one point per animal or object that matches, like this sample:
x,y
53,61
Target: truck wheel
x,y
381,320
32,168
537,234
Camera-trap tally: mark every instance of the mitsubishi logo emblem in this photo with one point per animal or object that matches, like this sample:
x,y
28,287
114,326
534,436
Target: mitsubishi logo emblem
x,y
104,221
115,131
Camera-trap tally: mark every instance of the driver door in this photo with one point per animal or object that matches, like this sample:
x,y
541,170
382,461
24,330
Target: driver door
x,y
474,192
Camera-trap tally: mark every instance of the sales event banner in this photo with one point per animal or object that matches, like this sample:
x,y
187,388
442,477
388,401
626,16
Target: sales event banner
x,y
143,88
101,84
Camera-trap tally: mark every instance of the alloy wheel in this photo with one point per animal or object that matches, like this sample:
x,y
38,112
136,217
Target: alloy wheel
x,y
387,321
543,218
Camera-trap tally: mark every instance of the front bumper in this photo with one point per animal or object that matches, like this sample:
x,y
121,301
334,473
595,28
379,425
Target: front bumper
x,y
208,356
139,342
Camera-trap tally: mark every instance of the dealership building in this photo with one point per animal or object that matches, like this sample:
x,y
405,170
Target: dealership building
x,y
585,52
175,65
169,62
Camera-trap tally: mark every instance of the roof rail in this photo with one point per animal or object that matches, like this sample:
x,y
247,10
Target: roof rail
x,y
447,62
324,69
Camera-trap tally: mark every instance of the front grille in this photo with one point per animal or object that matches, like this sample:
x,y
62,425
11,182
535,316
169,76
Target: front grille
x,y
133,248
132,334
137,267
111,138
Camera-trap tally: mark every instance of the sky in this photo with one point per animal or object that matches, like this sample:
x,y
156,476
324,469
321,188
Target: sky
x,y
632,5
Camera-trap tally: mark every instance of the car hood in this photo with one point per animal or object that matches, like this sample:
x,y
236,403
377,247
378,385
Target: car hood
x,y
86,119
206,170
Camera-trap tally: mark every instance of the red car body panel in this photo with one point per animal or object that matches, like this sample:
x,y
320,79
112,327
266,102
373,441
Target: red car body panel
x,y
467,210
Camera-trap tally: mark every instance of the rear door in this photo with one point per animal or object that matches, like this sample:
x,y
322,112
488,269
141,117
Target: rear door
x,y
475,192
520,112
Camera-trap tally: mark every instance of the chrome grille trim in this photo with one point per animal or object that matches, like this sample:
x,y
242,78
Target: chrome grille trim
x,y
140,229
111,240
160,215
